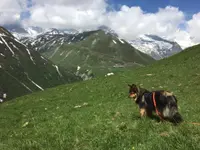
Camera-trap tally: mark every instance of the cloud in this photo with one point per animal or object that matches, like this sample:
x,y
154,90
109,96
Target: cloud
x,y
128,22
10,11
9,18
194,26
189,36
85,14
168,22
182,37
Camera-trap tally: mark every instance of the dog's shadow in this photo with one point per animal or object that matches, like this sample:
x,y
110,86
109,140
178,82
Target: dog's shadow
x,y
153,117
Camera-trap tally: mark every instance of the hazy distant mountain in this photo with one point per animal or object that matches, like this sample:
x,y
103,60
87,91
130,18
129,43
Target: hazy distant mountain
x,y
156,46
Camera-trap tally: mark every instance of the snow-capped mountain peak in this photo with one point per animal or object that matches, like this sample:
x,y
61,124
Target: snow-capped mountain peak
x,y
31,32
108,30
155,46
53,31
34,31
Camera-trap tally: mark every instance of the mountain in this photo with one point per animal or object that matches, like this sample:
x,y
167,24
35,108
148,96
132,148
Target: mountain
x,y
156,46
98,115
23,70
26,32
19,31
107,30
50,39
152,45
97,51
32,31
15,28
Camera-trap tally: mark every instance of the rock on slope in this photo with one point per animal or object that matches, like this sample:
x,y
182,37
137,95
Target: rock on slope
x,y
23,70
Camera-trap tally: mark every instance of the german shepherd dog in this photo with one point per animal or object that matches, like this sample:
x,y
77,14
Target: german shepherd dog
x,y
163,102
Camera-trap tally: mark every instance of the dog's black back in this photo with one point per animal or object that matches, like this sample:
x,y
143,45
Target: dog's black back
x,y
167,105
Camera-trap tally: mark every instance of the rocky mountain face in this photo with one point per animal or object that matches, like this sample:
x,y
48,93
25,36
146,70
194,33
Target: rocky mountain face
x,y
23,70
156,46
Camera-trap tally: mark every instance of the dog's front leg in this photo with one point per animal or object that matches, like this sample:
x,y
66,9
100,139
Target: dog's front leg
x,y
142,112
149,113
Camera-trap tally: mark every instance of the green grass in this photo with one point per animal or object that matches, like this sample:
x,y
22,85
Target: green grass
x,y
48,120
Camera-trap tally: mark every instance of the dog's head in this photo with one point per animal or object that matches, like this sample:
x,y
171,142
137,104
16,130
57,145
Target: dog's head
x,y
133,91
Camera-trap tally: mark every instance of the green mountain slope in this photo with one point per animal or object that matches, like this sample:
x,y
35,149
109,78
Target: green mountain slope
x,y
97,50
106,118
24,71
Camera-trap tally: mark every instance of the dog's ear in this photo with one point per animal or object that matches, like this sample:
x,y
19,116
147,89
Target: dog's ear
x,y
133,85
129,85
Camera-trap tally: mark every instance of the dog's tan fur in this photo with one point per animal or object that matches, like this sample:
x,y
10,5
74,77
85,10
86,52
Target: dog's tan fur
x,y
167,93
143,112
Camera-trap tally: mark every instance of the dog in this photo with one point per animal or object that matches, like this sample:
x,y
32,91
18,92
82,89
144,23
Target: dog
x,y
164,103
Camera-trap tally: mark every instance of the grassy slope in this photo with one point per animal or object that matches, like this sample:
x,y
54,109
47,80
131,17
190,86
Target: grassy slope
x,y
110,121
99,53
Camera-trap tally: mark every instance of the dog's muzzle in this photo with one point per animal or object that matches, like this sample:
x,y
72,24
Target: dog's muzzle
x,y
132,95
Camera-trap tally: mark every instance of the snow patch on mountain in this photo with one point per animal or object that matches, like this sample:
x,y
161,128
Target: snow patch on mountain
x,y
2,54
57,69
114,42
121,40
30,56
7,45
33,82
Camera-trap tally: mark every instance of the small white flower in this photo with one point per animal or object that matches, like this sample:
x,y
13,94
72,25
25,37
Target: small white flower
x,y
25,124
149,74
78,106
85,104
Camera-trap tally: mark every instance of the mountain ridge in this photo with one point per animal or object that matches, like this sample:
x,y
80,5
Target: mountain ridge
x,y
156,47
91,50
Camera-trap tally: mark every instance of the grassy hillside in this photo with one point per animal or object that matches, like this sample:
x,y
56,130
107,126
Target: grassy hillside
x,y
109,120
24,71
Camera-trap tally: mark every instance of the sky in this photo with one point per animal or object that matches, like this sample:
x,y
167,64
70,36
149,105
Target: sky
x,y
188,6
177,20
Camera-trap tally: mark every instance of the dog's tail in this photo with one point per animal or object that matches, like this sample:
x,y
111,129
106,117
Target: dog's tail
x,y
177,118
